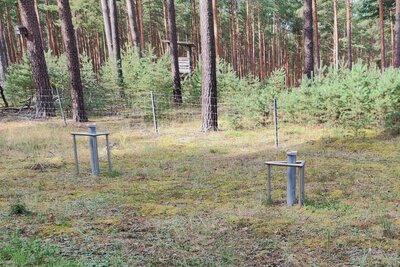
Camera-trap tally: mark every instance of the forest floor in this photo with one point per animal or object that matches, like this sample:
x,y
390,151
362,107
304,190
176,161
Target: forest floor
x,y
193,199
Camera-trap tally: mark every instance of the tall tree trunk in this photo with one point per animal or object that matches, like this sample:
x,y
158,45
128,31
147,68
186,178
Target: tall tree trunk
x,y
165,17
209,111
247,60
317,57
9,36
335,36
308,39
71,51
44,94
194,29
397,36
392,37
260,49
107,26
382,32
233,35
132,16
3,63
349,39
116,44
3,55
173,50
216,34
139,8
50,32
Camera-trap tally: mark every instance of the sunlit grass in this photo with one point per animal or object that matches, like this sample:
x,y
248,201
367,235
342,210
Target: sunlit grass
x,y
186,198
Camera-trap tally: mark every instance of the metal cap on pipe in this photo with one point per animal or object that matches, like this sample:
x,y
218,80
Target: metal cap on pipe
x,y
292,153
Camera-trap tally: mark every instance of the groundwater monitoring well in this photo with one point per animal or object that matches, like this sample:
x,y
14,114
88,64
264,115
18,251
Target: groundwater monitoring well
x,y
292,163
92,135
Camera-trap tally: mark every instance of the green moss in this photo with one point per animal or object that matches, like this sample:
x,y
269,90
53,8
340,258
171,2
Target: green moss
x,y
151,209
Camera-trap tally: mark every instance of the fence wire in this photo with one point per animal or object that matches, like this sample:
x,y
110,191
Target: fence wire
x,y
158,112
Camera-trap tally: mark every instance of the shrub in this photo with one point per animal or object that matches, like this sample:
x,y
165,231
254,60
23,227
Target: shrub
x,y
18,86
19,208
251,101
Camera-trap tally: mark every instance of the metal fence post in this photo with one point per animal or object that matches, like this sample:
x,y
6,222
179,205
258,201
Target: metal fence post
x,y
276,122
75,155
154,110
61,107
291,179
94,156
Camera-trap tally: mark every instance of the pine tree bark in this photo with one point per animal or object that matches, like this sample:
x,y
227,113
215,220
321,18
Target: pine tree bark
x,y
139,8
397,35
382,34
44,95
392,44
3,55
3,64
165,17
9,37
233,35
308,39
216,33
116,44
107,26
209,112
71,51
132,17
335,36
173,50
317,57
349,35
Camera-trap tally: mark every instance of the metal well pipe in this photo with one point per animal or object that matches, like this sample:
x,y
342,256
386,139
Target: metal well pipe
x,y
93,151
291,179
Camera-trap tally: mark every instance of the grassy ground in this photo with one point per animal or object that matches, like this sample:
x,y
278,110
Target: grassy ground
x,y
193,199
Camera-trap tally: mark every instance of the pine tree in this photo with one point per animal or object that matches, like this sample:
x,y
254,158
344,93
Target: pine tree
x,y
209,115
382,34
107,26
132,17
68,34
397,36
44,95
308,39
3,63
349,35
115,37
173,50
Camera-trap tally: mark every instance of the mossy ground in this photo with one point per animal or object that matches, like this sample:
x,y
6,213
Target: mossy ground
x,y
186,198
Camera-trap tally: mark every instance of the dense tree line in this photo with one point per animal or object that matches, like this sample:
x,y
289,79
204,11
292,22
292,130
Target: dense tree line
x,y
256,37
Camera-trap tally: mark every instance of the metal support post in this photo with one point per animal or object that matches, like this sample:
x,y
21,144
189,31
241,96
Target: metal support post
x,y
108,154
76,155
154,109
269,182
276,123
94,156
291,179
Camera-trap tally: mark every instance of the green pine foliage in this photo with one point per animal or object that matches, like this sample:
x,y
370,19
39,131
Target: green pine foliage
x,y
357,99
141,75
252,100
18,85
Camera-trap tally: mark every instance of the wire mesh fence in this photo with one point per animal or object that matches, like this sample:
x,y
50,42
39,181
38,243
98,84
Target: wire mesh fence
x,y
160,113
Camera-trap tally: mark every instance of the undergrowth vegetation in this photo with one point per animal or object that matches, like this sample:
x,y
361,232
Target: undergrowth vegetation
x,y
357,99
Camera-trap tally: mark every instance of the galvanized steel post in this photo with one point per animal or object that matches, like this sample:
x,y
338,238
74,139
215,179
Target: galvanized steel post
x,y
291,179
94,156
276,123
154,110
